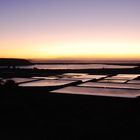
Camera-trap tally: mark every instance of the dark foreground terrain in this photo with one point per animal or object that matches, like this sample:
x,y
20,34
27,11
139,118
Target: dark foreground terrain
x,y
35,113
26,115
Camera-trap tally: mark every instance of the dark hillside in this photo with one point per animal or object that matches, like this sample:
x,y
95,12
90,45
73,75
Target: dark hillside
x,y
14,62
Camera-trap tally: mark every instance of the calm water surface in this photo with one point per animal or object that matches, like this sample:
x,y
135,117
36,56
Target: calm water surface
x,y
76,66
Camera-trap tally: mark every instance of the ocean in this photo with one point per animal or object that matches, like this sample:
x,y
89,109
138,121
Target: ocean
x,y
76,66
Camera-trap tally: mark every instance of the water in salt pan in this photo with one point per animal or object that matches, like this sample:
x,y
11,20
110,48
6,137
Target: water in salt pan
x,y
45,83
81,76
124,76
75,74
134,82
110,85
99,92
112,81
47,77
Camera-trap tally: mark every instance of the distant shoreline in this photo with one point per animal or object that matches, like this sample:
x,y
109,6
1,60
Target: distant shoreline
x,y
86,63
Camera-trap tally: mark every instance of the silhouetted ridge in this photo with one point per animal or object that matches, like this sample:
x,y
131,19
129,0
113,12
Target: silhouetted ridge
x,y
14,62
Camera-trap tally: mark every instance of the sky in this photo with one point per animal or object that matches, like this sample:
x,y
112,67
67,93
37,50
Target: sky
x,y
70,29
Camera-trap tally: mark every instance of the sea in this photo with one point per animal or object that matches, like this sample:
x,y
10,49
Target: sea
x,y
81,64
76,64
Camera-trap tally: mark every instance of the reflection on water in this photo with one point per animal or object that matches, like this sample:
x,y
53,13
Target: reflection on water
x,y
73,76
43,83
81,76
77,66
47,77
99,91
112,81
124,76
110,85
134,82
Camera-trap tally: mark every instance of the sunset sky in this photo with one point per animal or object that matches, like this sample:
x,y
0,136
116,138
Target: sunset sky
x,y
70,29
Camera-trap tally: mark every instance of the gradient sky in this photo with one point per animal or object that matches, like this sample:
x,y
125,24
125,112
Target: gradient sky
x,y
70,29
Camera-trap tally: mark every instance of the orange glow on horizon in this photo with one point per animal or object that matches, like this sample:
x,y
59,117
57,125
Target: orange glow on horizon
x,y
109,48
76,51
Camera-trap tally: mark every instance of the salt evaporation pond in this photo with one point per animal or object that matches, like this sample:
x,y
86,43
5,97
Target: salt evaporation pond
x,y
112,81
99,92
124,76
81,76
110,85
46,83
134,82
